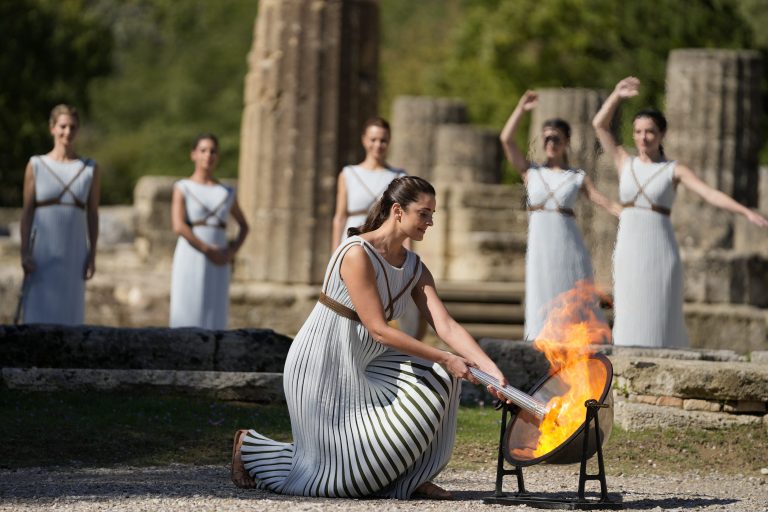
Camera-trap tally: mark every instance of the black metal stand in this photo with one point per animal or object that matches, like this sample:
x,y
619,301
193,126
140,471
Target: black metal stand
x,y
522,497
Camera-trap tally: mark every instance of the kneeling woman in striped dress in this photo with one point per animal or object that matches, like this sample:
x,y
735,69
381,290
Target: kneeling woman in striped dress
x,y
373,410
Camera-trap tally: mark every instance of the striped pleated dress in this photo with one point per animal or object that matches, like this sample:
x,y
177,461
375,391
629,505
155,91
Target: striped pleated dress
x,y
366,420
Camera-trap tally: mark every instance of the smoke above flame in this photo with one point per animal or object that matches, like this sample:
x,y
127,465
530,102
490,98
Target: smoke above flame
x,y
572,326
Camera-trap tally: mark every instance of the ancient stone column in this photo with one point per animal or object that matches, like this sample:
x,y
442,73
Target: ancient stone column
x,y
466,154
414,124
312,82
577,107
713,107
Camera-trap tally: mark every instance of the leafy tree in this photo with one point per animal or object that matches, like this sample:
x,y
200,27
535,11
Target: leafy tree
x,y
179,71
51,51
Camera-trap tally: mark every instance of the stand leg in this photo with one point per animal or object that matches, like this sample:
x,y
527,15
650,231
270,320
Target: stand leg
x,y
592,408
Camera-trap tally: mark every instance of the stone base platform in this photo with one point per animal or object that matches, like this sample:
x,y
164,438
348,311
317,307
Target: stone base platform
x,y
240,386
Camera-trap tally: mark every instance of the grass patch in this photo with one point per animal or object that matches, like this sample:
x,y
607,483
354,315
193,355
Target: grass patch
x,y
102,429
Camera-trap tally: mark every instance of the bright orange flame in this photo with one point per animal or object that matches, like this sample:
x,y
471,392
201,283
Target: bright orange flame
x,y
572,325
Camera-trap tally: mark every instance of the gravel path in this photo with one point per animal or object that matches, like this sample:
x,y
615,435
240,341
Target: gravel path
x,y
207,488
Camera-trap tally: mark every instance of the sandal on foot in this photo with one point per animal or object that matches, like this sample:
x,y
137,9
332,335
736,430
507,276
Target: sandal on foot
x,y
240,476
430,491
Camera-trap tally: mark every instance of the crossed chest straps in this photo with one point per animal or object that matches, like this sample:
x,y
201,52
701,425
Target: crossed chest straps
x,y
370,192
208,212
347,312
641,191
58,199
562,210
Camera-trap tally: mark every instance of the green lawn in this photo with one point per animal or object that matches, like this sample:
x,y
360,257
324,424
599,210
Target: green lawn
x,y
39,429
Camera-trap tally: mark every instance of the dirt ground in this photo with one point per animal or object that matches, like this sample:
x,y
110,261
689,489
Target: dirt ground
x,y
187,488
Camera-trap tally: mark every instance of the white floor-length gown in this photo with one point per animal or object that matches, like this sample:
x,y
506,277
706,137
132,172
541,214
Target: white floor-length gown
x,y
199,287
366,420
556,257
647,271
56,289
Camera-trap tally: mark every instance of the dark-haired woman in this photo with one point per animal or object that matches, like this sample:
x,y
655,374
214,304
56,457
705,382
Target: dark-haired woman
x,y
373,410
648,275
59,226
556,256
200,208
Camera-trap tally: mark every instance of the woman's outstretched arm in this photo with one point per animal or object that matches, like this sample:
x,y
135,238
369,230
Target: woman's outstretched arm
x,y
597,197
715,197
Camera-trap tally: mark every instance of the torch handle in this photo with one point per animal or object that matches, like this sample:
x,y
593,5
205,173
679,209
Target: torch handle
x,y
517,397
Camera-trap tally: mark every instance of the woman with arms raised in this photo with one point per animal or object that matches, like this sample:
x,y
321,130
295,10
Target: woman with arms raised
x,y
648,274
373,410
556,257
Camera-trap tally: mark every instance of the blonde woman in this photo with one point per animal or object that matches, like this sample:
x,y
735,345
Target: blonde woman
x,y
59,226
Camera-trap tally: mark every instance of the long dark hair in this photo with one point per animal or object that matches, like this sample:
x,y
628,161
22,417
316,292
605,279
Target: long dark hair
x,y
376,121
403,191
658,119
205,136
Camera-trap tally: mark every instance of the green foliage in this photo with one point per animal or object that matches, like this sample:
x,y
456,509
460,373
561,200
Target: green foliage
x,y
51,51
504,48
179,71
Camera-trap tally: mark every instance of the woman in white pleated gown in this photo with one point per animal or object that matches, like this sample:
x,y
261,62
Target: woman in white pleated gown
x,y
200,209
373,410
358,188
556,257
647,271
59,227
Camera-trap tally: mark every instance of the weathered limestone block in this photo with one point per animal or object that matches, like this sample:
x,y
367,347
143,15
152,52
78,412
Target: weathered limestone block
x,y
415,123
466,154
639,416
748,237
155,238
312,82
578,107
242,386
479,233
279,307
692,379
725,276
694,404
740,328
713,105
52,346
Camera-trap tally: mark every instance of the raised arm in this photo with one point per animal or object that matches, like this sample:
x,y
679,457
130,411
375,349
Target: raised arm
x,y
340,216
715,197
626,88
594,195
94,196
27,218
515,156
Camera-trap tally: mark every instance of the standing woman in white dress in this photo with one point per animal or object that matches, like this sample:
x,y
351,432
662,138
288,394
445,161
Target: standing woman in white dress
x,y
373,410
556,257
359,187
59,226
647,272
200,209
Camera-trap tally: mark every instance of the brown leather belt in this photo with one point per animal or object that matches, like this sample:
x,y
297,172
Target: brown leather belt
x,y
656,208
568,212
338,307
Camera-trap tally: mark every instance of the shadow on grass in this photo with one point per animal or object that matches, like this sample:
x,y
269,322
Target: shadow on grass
x,y
97,429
